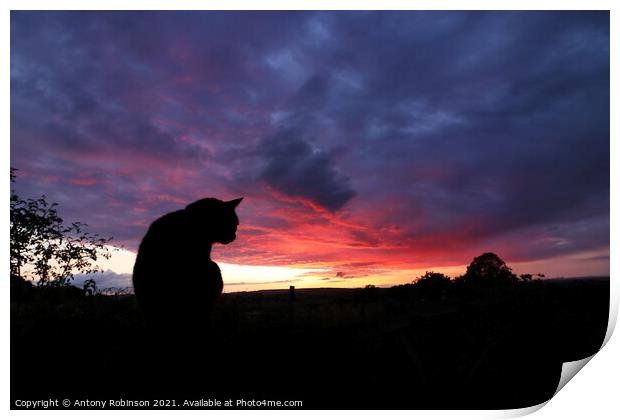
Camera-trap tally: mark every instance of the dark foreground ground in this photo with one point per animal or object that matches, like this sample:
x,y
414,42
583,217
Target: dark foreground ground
x,y
329,348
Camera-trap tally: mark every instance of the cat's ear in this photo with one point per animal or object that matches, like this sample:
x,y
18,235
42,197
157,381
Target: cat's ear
x,y
234,203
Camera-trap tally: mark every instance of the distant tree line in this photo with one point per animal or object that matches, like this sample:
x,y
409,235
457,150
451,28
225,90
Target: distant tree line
x,y
487,272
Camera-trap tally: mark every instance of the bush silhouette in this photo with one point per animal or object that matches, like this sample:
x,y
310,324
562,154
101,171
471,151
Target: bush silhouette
x,y
44,249
21,290
433,285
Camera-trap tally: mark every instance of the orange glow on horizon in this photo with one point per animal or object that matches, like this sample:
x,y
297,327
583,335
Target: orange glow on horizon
x,y
250,277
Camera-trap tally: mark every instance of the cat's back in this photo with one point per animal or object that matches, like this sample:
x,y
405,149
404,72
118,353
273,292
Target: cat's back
x,y
157,247
167,228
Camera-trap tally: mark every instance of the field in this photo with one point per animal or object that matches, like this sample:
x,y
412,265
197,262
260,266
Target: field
x,y
329,348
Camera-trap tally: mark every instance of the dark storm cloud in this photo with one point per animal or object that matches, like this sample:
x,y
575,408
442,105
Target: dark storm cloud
x,y
297,170
459,128
512,121
295,166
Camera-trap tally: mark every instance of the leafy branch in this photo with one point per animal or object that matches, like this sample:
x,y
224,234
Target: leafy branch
x,y
47,251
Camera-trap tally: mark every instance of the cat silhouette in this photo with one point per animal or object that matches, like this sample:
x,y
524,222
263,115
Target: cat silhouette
x,y
175,281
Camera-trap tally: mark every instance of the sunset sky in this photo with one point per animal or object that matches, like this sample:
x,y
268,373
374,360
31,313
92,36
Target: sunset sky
x,y
368,146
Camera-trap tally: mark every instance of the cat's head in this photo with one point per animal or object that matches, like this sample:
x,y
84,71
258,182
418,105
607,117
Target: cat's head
x,y
215,219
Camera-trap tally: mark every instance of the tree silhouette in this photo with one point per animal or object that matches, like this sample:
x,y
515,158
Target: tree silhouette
x,y
45,250
488,270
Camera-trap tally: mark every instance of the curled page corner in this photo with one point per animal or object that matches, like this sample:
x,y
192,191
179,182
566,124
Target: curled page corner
x,y
570,369
520,412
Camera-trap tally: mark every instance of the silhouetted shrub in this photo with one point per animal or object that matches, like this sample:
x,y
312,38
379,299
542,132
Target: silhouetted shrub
x,y
402,292
21,290
90,287
44,249
433,285
528,278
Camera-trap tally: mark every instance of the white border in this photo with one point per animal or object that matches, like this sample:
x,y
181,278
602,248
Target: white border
x,y
592,394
